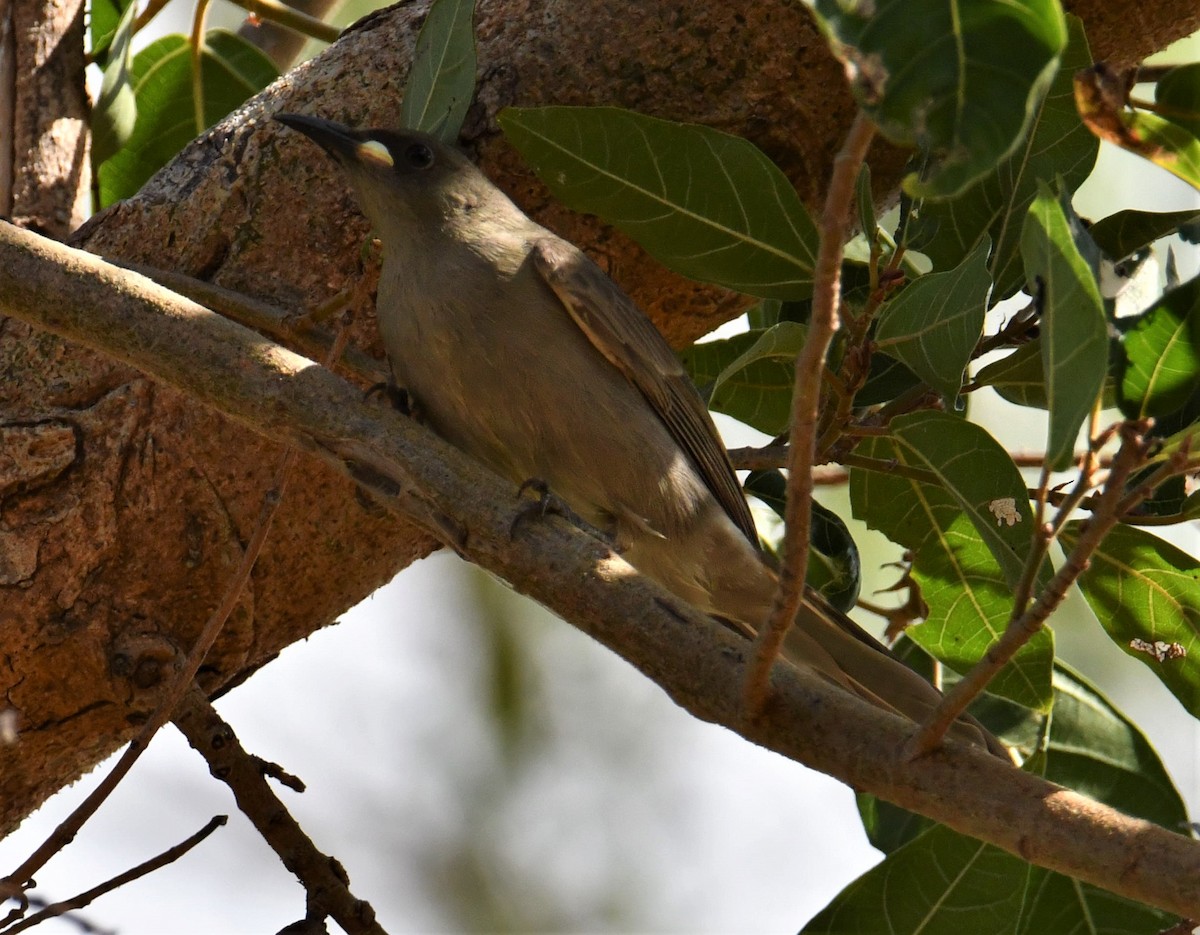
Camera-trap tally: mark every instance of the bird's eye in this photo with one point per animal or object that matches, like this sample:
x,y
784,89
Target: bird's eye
x,y
419,156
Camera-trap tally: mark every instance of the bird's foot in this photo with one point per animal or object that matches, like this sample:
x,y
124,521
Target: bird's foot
x,y
400,398
545,502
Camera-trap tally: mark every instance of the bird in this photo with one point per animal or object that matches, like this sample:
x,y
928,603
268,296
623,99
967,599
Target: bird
x,y
520,351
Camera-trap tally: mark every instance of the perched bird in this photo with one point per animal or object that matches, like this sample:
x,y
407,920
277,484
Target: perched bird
x,y
520,351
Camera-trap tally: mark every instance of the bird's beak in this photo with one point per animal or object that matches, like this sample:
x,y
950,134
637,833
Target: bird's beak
x,y
335,138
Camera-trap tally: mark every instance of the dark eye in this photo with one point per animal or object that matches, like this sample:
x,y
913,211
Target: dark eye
x,y
419,156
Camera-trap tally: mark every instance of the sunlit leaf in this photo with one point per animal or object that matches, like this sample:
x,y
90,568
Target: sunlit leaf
x,y
232,70
968,527
115,113
1100,98
706,204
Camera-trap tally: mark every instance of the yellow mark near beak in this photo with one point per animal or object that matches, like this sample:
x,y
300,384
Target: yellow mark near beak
x,y
376,152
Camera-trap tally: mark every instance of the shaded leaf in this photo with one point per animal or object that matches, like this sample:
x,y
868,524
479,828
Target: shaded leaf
x,y
1162,355
441,80
749,376
834,567
706,204
1058,146
933,325
1143,588
1074,333
959,80
1127,232
1179,92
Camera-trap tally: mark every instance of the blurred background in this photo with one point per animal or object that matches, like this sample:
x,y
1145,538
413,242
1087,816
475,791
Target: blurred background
x,y
479,766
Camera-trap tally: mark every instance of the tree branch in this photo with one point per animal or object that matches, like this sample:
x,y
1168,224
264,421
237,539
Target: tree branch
x,y
698,662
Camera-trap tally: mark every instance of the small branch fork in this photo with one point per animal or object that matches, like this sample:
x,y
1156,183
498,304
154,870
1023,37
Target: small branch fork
x,y
806,407
184,702
1112,504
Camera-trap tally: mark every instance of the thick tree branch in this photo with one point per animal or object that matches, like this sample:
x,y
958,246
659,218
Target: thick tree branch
x,y
698,662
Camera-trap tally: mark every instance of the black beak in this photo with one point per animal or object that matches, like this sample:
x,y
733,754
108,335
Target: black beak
x,y
334,138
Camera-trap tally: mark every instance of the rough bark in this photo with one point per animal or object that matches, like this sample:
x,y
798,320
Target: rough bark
x,y
125,504
698,662
48,176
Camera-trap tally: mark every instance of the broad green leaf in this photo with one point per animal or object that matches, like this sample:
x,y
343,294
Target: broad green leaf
x,y
1074,334
1179,91
1018,377
1088,746
1170,145
1162,355
972,484
977,472
103,17
943,883
1095,749
1057,903
231,69
706,204
1145,592
934,323
115,113
1057,146
1126,232
749,376
961,81
441,80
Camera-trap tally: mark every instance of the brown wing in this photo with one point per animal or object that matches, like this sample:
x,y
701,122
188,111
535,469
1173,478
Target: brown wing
x,y
629,341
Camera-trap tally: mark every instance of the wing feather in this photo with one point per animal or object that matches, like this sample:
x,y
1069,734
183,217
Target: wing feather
x,y
629,341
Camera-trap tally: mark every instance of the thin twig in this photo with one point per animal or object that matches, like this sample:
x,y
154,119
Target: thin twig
x,y
170,855
293,19
1111,506
806,402
13,885
322,877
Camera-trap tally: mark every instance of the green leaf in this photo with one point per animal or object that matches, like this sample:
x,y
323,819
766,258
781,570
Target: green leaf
x,y
943,882
1095,749
1179,90
749,376
1127,232
1090,747
934,324
1142,588
1074,334
441,80
1164,143
705,204
1018,377
964,562
978,474
1162,355
1057,146
231,71
103,17
834,567
961,81
115,113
